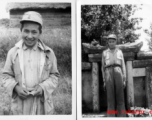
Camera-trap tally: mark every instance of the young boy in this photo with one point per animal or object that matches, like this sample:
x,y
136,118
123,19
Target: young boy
x,y
114,77
30,71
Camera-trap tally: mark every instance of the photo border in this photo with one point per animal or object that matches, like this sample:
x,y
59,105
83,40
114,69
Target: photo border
x,y
73,60
79,49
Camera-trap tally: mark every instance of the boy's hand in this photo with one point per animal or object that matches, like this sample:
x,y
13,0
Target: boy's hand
x,y
38,91
22,92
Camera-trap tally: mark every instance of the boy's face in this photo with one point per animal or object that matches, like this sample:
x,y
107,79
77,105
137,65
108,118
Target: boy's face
x,y
30,34
112,43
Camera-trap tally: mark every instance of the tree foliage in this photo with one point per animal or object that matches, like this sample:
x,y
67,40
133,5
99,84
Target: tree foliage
x,y
97,21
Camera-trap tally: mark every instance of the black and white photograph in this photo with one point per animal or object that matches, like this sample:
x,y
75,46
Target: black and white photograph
x,y
75,59
36,59
114,69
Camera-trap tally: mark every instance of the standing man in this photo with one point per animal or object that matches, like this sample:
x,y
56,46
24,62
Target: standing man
x,y
30,71
114,77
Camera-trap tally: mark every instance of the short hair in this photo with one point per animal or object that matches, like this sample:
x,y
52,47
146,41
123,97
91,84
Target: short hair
x,y
22,25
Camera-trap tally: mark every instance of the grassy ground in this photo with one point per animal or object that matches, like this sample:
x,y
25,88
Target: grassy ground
x,y
59,39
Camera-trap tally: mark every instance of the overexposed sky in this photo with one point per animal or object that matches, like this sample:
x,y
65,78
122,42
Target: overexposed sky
x,y
146,14
3,13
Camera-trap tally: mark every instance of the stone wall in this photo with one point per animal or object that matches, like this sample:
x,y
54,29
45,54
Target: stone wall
x,y
87,97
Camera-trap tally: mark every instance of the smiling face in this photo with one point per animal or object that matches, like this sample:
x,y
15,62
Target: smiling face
x,y
112,43
30,33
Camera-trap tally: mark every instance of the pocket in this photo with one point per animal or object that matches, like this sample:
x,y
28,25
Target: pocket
x,y
119,59
107,59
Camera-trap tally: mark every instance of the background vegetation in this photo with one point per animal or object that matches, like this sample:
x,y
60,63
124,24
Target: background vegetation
x,y
100,20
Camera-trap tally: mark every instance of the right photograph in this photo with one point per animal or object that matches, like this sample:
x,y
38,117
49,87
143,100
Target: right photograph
x,y
116,60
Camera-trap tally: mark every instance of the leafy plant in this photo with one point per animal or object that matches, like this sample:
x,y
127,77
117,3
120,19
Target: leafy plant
x,y
139,112
97,21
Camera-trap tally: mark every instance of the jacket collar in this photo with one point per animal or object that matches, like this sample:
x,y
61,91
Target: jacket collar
x,y
41,45
24,47
116,49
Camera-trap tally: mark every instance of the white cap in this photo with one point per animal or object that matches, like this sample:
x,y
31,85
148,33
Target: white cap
x,y
32,16
112,36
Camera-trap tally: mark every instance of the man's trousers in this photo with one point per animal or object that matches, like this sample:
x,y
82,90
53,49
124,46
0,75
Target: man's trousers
x,y
115,92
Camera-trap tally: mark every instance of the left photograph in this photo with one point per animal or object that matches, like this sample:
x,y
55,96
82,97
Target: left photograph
x,y
36,59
